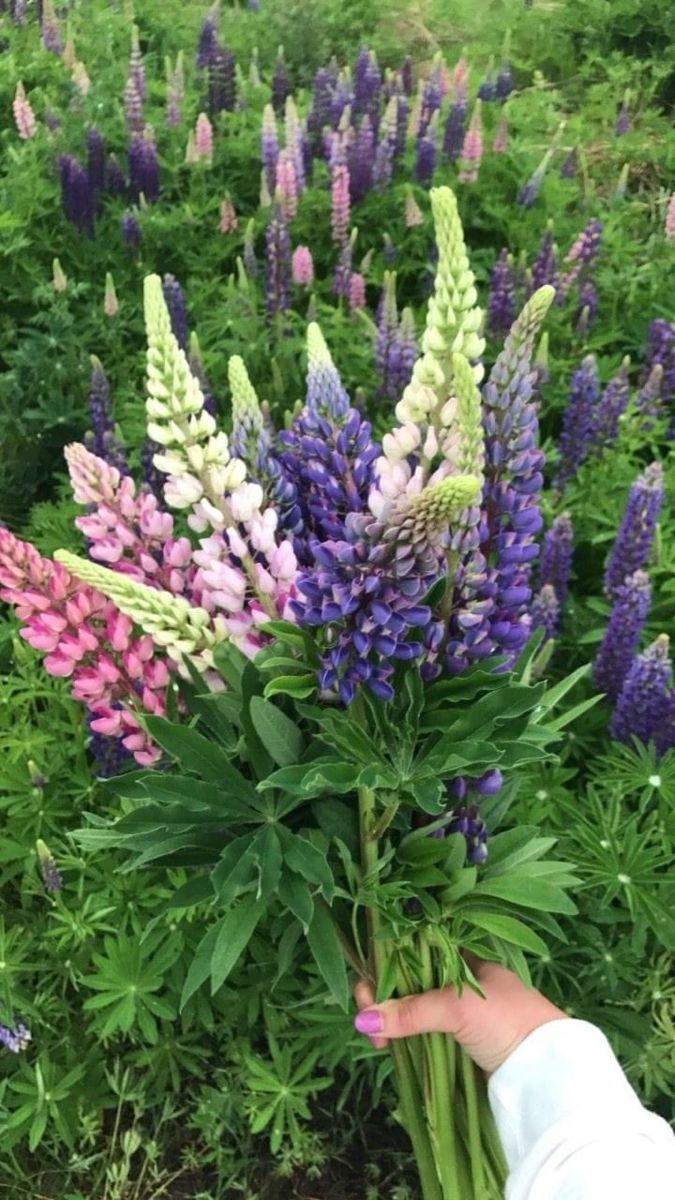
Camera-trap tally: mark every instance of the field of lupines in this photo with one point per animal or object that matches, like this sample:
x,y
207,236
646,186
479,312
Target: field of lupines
x,y
337,416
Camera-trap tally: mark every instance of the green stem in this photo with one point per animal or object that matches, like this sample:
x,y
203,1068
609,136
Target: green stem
x,y
441,1099
369,865
473,1126
412,1110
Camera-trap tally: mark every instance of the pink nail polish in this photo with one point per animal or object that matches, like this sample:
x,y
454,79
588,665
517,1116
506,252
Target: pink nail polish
x,y
370,1021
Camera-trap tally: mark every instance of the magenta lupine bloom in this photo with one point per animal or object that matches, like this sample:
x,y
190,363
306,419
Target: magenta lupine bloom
x,y
610,408
302,266
502,301
287,187
133,107
472,149
644,697
669,227
622,635
633,545
24,116
500,142
340,203
204,137
85,639
229,221
357,291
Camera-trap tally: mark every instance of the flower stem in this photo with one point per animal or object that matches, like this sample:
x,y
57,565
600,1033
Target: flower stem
x,y
412,1111
473,1126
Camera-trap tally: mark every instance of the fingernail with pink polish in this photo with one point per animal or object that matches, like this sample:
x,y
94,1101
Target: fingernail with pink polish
x,y
369,1021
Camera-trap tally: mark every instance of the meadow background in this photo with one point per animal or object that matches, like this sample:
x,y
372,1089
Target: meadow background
x,y
118,1095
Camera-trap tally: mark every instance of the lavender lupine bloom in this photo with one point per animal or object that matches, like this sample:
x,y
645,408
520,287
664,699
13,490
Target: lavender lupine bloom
x,y
102,440
115,179
270,147
222,82
131,231
431,102
368,588
322,96
17,1039
545,265
623,120
96,165
556,557
385,153
583,253
175,302
133,107
136,67
453,134
51,34
568,167
109,755
504,82
622,635
387,330
360,160
425,164
76,194
587,307
18,11
343,268
403,354
545,611
644,696
208,38
343,98
367,86
661,350
633,545
529,192
578,420
278,278
281,85
143,168
610,408
402,113
51,876
502,301
467,820
175,91
649,399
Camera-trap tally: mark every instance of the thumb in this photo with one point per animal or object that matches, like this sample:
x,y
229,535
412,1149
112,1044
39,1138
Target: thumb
x,y
438,1011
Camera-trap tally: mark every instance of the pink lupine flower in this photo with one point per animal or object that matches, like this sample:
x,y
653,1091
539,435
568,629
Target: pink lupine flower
x,y
501,138
204,138
111,305
472,148
357,291
460,79
670,219
85,639
24,116
287,186
302,266
228,217
340,203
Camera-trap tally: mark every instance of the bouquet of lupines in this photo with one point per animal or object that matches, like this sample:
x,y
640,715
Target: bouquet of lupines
x,y
323,666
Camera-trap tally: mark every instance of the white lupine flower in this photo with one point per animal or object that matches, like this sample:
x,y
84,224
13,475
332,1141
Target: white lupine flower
x,y
182,491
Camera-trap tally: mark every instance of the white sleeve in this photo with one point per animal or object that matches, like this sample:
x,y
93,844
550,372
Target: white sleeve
x,y
571,1125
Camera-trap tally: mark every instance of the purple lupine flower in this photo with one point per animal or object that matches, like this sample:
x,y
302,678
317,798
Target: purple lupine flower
x,y
281,85
502,301
51,34
504,82
633,545
367,86
51,876
102,439
623,120
665,731
18,11
208,39
610,408
644,696
453,134
545,265
568,168
622,635
425,164
556,557
115,179
153,479
575,437
109,754
368,589
143,169
343,269
467,820
343,97
402,355
583,253
17,1039
131,231
486,87
278,278
545,611
387,330
133,107
407,75
52,120
587,307
431,99
269,143
96,165
175,303
385,153
319,115
661,350
136,67
222,82
649,399
76,194
360,160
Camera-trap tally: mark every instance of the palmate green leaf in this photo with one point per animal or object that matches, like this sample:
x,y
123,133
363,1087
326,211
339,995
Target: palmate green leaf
x,y
303,858
235,870
295,895
496,708
200,967
300,687
528,893
233,933
314,778
508,929
327,953
196,753
267,849
442,757
281,737
515,846
555,694
338,820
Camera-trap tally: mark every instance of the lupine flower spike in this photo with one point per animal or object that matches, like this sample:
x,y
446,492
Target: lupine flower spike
x,y
24,116
622,635
472,148
59,281
500,143
302,266
110,302
643,700
633,545
669,226
51,876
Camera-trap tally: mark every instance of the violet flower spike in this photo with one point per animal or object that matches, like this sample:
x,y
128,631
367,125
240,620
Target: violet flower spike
x,y
635,538
610,408
575,438
644,696
502,301
175,303
622,635
556,557
51,876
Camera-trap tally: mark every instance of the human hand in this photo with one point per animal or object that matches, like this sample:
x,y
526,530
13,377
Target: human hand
x,y
488,1028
